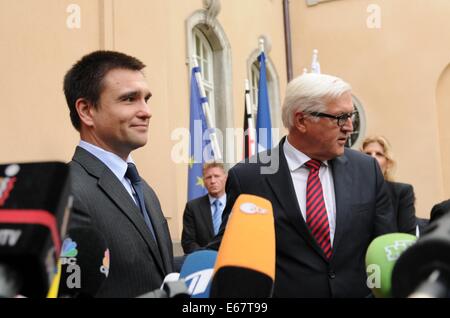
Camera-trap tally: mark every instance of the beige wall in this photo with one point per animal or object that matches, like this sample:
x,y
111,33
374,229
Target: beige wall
x,y
394,71
36,49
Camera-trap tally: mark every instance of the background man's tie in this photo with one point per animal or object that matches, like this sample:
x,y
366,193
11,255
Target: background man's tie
x,y
217,216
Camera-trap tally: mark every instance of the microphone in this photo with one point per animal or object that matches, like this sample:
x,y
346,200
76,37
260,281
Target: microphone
x,y
84,263
245,265
172,287
197,271
193,281
381,256
169,289
171,277
34,211
424,269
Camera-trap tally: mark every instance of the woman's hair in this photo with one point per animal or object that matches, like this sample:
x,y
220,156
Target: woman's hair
x,y
384,143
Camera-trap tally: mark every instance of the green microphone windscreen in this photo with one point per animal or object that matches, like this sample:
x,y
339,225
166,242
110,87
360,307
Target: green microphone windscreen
x,y
381,256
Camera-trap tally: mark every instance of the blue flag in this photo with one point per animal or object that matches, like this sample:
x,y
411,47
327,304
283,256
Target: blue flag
x,y
263,123
199,143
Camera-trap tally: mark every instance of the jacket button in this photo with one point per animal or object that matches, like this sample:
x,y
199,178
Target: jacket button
x,y
331,274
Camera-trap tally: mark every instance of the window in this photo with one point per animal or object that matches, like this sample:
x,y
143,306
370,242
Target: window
x,y
359,125
208,44
204,55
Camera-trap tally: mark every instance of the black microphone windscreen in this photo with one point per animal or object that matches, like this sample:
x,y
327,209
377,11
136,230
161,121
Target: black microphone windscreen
x,y
34,211
429,254
84,263
224,283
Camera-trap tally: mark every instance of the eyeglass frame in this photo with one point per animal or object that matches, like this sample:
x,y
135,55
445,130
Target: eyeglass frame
x,y
341,118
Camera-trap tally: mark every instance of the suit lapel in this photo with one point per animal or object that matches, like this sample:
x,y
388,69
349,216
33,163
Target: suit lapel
x,y
160,233
281,184
115,190
205,209
342,180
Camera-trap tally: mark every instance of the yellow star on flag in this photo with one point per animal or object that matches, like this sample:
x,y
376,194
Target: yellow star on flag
x,y
191,162
200,182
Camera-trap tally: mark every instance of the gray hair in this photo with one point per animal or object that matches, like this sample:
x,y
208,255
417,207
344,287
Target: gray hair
x,y
309,93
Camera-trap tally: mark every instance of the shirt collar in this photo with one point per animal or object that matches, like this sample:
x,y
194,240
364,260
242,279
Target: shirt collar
x,y
295,158
111,160
222,199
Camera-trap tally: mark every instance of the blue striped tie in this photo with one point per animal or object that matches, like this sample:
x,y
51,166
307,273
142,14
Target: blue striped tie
x,y
217,216
316,212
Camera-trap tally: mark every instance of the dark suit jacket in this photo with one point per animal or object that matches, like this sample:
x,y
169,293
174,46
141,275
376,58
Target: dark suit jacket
x,y
137,265
402,196
363,211
198,229
439,210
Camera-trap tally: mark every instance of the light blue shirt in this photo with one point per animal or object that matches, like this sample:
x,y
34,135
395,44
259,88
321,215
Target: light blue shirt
x,y
113,162
223,202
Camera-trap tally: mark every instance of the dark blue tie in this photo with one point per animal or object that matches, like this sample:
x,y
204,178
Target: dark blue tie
x,y
136,182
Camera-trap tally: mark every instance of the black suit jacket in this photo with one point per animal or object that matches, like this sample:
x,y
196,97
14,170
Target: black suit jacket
x,y
402,196
363,211
137,264
198,229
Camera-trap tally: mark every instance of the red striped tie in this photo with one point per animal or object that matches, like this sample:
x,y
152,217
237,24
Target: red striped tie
x,y
316,212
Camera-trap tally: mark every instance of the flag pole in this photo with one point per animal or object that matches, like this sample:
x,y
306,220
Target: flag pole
x,y
263,122
315,65
251,126
205,106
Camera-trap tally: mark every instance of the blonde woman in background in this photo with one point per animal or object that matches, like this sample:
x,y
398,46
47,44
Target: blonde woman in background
x,y
402,194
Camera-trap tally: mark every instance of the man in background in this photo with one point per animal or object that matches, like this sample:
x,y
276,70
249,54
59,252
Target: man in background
x,y
202,216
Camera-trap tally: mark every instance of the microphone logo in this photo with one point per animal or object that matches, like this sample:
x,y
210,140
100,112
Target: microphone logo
x,y
69,248
9,237
251,208
68,257
394,251
7,183
199,281
104,269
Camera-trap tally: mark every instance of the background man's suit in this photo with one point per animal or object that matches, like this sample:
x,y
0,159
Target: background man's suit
x,y
402,196
198,228
137,265
363,211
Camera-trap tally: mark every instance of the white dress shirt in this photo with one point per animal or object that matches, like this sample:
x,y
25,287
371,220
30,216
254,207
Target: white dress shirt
x,y
299,174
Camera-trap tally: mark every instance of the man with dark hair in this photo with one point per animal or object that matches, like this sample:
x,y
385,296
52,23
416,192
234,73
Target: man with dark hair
x,y
202,216
107,96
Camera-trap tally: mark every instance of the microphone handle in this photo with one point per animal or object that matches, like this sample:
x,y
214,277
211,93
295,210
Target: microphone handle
x,y
434,287
10,281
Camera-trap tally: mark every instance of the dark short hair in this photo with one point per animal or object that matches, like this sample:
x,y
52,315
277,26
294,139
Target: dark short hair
x,y
84,79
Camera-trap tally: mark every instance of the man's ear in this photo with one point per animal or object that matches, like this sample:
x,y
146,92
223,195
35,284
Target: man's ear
x,y
85,111
300,121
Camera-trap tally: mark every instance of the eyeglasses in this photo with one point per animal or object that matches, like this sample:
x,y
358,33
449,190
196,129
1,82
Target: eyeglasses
x,y
341,119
